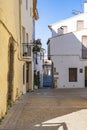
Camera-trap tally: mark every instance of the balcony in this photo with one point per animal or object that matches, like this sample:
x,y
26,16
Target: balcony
x,y
84,53
26,50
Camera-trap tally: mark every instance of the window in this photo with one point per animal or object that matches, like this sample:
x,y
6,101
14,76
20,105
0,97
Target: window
x,y
31,12
84,47
84,41
26,37
23,39
23,34
28,48
80,25
26,4
27,72
49,51
72,74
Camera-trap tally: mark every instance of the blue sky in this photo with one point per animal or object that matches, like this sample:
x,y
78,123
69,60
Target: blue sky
x,y
51,11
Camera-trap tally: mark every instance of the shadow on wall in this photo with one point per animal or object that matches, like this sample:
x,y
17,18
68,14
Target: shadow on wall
x,y
10,68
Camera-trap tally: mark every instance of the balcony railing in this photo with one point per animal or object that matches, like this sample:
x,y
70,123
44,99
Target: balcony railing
x,y
26,49
84,53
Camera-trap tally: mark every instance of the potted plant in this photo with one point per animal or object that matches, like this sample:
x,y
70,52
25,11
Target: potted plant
x,y
36,48
36,81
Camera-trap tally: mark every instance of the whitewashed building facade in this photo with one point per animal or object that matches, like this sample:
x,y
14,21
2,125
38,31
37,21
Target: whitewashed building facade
x,y
29,14
67,48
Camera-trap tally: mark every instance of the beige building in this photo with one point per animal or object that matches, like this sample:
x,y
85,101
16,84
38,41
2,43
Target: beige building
x,y
11,57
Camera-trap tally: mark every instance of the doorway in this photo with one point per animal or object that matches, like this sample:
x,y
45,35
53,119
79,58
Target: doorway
x,y
86,76
27,76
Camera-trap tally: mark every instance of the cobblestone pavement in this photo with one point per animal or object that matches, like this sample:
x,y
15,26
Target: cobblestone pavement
x,y
48,109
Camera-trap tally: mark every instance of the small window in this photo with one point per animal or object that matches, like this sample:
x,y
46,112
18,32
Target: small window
x,y
80,25
31,12
23,34
84,41
26,37
84,47
72,74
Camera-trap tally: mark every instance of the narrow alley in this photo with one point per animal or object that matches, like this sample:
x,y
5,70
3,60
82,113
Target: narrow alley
x,y
48,109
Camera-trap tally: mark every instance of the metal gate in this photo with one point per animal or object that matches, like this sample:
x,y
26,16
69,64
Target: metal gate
x,y
47,81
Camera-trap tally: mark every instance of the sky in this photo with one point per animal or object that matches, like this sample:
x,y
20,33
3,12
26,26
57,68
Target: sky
x,y
52,11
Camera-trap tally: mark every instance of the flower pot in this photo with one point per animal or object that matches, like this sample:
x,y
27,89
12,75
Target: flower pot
x,y
35,87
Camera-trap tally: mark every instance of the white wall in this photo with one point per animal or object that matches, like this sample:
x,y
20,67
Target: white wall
x,y
62,64
71,23
27,18
85,6
66,51
67,44
28,23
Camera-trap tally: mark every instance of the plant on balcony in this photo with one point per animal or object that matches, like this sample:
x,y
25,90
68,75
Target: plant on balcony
x,y
37,42
25,54
36,48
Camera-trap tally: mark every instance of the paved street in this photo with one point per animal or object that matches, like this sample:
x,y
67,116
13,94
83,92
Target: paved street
x,y
48,109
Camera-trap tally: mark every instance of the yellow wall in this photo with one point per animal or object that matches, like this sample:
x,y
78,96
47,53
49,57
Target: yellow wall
x,y
9,14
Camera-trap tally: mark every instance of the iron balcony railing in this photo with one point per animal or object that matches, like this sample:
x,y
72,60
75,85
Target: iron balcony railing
x,y
26,49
